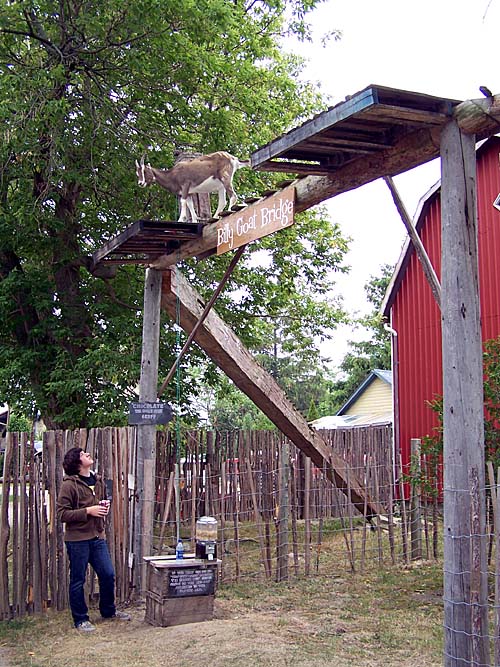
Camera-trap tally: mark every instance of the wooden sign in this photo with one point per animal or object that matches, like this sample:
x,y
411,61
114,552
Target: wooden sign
x,y
148,412
263,218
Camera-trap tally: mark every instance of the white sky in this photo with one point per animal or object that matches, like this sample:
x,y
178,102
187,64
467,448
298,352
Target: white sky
x,y
446,48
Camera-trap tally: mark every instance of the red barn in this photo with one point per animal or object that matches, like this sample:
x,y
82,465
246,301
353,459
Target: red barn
x,y
413,314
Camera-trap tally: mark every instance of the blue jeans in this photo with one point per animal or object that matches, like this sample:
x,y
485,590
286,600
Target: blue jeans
x,y
93,552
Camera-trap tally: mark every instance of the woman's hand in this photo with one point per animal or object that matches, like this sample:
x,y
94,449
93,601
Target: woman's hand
x,y
98,510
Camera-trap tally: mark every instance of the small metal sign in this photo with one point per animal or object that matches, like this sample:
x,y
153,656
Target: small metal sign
x,y
148,412
260,219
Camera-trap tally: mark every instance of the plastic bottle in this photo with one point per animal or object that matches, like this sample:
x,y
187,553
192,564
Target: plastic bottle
x,y
179,550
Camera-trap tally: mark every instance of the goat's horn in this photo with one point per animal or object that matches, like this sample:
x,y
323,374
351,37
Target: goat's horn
x,y
142,160
137,164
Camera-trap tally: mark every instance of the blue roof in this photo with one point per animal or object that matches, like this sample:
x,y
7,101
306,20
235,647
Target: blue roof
x,y
385,376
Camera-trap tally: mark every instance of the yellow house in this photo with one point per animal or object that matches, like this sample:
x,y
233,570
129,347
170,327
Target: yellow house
x,y
371,403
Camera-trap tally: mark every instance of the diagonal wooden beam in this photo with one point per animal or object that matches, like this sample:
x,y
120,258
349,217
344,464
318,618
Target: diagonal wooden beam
x,y
228,352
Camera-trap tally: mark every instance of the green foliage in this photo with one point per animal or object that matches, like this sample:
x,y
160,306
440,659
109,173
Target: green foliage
x,y
491,360
374,353
432,445
312,413
19,423
86,88
232,410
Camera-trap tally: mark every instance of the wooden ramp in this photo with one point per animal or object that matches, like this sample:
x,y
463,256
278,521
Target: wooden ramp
x,y
228,352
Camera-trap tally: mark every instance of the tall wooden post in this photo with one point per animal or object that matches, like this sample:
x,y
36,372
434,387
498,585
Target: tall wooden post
x,y
465,587
146,433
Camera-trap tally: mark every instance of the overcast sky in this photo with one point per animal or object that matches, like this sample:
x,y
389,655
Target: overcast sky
x,y
446,48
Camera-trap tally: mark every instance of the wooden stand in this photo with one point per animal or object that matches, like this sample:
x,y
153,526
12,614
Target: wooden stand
x,y
180,591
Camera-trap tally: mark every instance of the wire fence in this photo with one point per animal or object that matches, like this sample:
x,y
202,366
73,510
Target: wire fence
x,y
278,515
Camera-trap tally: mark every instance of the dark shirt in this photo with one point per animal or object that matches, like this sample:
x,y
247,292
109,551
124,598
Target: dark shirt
x,y
90,480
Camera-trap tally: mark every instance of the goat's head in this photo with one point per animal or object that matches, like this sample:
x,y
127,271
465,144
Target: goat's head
x,y
144,172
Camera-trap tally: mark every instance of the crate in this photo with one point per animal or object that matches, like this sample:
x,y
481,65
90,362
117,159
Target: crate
x,y
180,592
163,612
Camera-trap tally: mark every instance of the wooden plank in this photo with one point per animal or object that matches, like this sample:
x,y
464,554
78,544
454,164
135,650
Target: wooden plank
x,y
115,242
396,114
229,353
322,121
147,236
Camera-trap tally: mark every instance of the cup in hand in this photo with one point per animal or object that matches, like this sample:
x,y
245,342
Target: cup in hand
x,y
106,504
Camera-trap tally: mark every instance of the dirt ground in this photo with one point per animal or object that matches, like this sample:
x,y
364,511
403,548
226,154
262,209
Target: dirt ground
x,y
381,620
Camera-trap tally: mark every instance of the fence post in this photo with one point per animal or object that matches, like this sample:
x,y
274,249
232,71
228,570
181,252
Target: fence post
x,y
282,547
415,506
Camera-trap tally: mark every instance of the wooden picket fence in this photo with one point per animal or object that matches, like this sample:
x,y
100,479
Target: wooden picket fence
x,y
238,477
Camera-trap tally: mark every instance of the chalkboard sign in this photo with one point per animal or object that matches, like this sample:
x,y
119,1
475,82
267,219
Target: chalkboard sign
x,y
149,413
186,582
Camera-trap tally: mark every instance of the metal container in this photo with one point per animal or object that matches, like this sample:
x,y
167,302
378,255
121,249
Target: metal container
x,y
206,538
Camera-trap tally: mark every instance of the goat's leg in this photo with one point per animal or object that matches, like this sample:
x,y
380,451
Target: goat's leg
x,y
190,203
222,202
183,214
228,185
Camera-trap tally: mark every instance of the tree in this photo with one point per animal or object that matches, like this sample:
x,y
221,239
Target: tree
x,y
375,352
85,88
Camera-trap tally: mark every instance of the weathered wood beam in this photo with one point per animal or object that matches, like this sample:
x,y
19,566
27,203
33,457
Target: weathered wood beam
x,y
426,263
465,577
412,150
146,433
480,117
228,352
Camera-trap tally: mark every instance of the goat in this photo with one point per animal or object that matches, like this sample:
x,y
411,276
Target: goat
x,y
207,173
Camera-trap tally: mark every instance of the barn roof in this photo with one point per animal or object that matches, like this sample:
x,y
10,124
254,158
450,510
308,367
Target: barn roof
x,y
418,221
364,124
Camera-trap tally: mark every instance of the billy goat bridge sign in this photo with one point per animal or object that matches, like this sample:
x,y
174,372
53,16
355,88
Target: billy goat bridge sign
x,y
261,219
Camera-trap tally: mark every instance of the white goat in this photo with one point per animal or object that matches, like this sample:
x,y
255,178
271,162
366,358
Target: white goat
x,y
208,173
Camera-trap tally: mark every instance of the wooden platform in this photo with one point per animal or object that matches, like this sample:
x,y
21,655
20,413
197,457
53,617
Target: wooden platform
x,y
365,125
145,240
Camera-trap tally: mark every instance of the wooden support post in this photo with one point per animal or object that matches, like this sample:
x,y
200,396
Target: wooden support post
x,y
463,416
427,267
415,509
146,433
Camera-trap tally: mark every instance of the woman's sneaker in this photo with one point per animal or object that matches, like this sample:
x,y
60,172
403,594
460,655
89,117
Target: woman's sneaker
x,y
85,626
121,616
